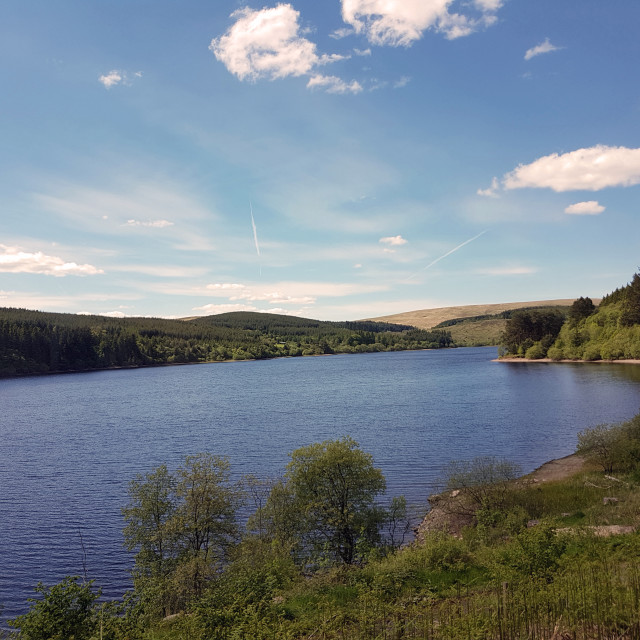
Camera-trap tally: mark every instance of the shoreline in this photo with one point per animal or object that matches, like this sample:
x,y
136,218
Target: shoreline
x,y
441,517
567,361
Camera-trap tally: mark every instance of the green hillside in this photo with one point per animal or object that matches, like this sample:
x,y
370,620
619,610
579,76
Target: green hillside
x,y
38,342
610,331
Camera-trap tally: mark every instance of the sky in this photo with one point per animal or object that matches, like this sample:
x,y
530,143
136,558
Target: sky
x,y
336,160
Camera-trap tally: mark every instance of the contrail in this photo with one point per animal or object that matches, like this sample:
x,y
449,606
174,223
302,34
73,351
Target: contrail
x,y
255,235
447,254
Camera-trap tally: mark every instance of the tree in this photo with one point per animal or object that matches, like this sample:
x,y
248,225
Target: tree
x,y
526,327
484,481
205,519
335,485
151,508
580,309
67,610
631,303
181,525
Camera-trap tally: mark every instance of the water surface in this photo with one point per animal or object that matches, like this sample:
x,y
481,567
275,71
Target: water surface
x,y
71,443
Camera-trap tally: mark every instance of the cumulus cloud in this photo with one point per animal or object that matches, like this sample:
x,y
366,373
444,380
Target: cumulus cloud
x,y
402,23
15,260
116,77
589,208
394,241
492,191
267,43
589,169
333,84
543,47
156,224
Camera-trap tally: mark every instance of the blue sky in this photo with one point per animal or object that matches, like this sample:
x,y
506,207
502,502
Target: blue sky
x,y
336,160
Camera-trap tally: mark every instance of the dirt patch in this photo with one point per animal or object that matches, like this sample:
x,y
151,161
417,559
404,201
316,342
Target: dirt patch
x,y
559,469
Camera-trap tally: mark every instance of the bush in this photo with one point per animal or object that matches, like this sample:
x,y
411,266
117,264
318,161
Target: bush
x,y
67,610
483,480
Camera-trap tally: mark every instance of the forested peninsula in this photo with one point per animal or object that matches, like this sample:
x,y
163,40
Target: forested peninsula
x,y
33,342
583,332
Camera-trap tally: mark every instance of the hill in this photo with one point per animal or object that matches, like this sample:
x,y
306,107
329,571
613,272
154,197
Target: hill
x,y
39,342
471,325
588,332
429,318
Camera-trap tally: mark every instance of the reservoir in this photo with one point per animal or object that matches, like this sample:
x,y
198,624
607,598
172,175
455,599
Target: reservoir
x,y
70,444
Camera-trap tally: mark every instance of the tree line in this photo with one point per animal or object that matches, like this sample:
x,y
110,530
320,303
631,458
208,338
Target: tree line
x,y
610,331
38,342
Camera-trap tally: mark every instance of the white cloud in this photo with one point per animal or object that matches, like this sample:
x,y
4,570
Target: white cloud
x,y
116,77
269,43
543,47
403,82
213,309
488,5
333,84
15,260
589,208
266,44
491,192
394,241
402,23
225,287
338,34
507,271
362,52
156,224
589,169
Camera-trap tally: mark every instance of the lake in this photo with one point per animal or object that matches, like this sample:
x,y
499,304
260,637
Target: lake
x,y
71,443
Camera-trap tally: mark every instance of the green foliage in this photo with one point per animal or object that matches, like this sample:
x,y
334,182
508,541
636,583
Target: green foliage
x,y
334,485
182,526
582,308
613,447
66,610
533,553
612,332
37,342
527,327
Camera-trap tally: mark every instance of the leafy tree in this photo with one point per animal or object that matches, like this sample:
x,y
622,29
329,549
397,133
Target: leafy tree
x,y
335,485
205,519
66,610
580,309
613,447
526,327
182,526
151,508
631,303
